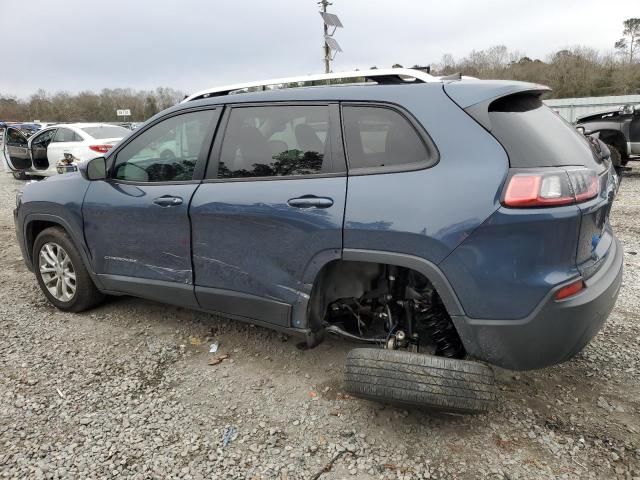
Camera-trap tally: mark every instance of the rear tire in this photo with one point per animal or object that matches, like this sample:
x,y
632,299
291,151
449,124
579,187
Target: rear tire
x,y
415,379
73,274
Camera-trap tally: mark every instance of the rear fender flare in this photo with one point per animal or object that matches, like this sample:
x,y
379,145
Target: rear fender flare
x,y
428,269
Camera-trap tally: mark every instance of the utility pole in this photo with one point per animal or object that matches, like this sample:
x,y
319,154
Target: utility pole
x,y
330,43
327,52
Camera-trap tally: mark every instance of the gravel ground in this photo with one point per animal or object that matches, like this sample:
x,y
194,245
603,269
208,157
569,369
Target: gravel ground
x,y
126,390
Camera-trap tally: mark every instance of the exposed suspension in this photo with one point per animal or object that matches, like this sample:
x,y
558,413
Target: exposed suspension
x,y
434,319
396,308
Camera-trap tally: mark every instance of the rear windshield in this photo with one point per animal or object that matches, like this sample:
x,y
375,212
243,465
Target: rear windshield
x,y
106,132
535,136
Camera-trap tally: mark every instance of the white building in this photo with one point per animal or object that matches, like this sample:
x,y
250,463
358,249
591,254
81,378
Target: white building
x,y
573,108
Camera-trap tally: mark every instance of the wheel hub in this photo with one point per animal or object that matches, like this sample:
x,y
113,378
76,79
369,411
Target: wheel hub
x,y
57,272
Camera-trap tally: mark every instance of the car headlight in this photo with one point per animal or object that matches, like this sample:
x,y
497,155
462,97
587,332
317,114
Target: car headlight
x,y
18,199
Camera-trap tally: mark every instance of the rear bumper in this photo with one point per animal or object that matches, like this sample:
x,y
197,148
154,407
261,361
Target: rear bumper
x,y
555,331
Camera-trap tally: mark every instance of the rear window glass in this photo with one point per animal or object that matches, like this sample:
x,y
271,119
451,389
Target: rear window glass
x,y
535,136
276,141
107,132
379,137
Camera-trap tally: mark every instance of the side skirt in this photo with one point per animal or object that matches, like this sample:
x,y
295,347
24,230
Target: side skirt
x,y
240,306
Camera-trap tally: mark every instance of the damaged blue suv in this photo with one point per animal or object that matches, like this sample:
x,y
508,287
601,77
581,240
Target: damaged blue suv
x,y
447,223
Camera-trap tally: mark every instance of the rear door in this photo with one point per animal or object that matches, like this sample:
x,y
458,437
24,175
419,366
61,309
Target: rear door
x,y
136,222
272,202
64,141
16,150
39,144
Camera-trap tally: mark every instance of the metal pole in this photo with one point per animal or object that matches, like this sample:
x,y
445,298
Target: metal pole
x,y
327,53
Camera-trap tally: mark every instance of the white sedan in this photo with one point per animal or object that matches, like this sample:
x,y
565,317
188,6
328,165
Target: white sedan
x,y
58,148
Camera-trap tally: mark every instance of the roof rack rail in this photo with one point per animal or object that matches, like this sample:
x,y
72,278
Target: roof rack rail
x,y
387,76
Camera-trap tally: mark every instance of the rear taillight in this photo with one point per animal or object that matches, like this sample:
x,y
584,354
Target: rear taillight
x,y
551,188
100,148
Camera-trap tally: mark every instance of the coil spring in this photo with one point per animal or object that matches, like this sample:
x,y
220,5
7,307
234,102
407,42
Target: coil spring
x,y
434,318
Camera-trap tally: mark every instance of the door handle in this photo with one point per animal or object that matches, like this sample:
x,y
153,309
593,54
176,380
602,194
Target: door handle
x,y
308,201
168,201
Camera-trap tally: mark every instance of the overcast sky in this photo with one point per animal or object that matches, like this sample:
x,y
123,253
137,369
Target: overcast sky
x,y
76,45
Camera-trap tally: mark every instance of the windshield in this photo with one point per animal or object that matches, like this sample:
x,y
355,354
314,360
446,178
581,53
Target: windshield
x,y
106,131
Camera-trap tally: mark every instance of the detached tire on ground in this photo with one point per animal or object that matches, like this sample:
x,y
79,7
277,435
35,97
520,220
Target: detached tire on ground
x,y
416,379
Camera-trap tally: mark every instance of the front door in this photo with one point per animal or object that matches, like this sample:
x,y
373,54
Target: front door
x,y
16,150
272,203
137,223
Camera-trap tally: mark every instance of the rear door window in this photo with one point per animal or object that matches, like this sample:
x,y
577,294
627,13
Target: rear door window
x,y
66,135
275,141
381,139
43,139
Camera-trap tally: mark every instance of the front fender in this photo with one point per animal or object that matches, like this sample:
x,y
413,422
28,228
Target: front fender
x,y
56,201
76,236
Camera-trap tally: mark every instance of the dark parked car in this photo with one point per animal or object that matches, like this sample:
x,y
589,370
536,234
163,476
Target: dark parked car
x,y
619,129
448,224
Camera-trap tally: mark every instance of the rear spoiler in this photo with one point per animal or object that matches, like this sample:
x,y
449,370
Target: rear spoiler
x,y
474,97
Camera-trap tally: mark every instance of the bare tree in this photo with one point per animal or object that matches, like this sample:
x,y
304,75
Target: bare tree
x,y
628,45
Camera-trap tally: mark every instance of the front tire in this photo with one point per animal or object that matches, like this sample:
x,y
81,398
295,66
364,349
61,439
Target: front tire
x,y
20,175
406,378
616,159
61,274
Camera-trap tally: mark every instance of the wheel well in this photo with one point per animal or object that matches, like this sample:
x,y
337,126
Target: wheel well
x,y
339,279
615,138
370,302
33,230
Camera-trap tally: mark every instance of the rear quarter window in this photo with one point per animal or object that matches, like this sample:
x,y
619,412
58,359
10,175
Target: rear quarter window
x,y
380,138
535,136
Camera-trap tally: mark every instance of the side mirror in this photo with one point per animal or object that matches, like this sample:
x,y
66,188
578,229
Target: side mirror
x,y
95,169
581,130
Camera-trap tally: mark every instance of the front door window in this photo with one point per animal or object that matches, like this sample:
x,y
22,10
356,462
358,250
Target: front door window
x,y
166,152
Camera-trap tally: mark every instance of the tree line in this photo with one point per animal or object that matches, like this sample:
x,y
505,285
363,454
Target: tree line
x,y
88,106
573,72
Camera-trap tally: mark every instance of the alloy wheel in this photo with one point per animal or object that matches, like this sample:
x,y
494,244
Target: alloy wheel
x,y
57,272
